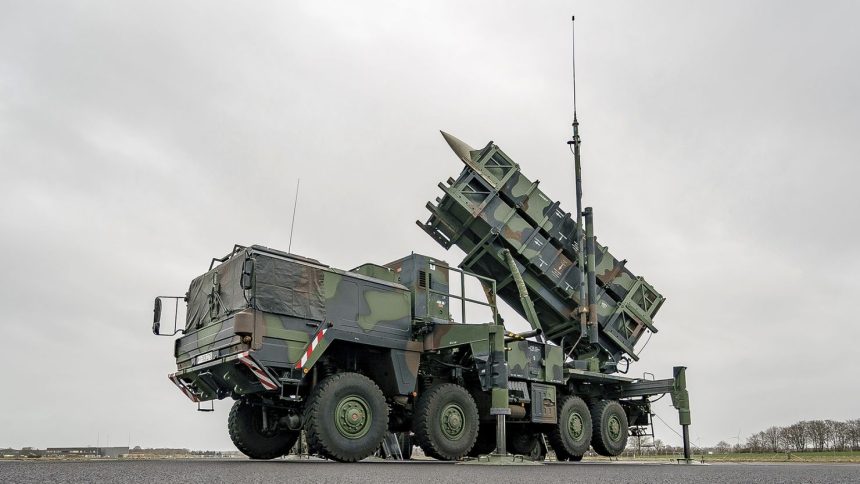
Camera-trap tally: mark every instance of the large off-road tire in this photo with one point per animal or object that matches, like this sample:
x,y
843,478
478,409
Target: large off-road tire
x,y
346,417
245,425
570,437
526,443
486,441
610,428
446,422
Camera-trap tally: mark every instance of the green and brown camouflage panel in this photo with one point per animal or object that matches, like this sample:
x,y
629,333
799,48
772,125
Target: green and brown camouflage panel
x,y
287,310
487,345
492,206
529,360
680,396
427,280
376,271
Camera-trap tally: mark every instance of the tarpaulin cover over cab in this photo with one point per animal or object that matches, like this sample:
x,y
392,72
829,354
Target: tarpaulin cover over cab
x,y
280,284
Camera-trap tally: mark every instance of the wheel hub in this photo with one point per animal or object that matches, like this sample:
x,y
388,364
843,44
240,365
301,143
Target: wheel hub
x,y
453,422
574,426
614,426
352,417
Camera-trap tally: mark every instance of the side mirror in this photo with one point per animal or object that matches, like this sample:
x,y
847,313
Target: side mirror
x,y
156,316
247,274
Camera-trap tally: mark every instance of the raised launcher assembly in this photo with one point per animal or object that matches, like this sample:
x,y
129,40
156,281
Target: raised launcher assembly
x,y
350,357
492,210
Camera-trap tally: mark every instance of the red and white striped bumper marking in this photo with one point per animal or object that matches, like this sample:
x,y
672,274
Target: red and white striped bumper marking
x,y
176,381
261,375
314,342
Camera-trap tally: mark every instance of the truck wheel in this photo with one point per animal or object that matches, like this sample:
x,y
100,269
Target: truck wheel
x,y
245,425
527,444
571,436
346,417
610,428
446,422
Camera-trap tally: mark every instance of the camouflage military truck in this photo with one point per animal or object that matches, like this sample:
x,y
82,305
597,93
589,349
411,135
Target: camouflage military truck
x,y
349,357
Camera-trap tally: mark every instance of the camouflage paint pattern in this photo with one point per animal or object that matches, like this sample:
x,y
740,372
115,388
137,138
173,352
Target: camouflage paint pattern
x,y
680,396
554,364
529,360
487,344
362,309
427,280
492,206
363,305
285,312
376,271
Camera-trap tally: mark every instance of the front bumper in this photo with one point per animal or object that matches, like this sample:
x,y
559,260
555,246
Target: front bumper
x,y
236,374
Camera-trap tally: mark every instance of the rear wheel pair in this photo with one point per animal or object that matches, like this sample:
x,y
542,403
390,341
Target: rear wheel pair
x,y
610,428
603,426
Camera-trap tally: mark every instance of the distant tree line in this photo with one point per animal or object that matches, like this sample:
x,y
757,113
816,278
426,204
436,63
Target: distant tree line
x,y
805,436
809,435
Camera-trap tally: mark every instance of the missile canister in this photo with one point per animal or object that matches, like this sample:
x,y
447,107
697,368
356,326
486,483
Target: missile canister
x,y
492,206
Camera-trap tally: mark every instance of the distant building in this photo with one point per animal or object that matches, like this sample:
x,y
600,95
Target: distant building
x,y
31,452
109,452
113,452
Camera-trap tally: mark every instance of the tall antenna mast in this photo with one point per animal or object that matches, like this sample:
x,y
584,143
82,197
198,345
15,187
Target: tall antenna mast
x,y
575,141
293,221
573,64
580,234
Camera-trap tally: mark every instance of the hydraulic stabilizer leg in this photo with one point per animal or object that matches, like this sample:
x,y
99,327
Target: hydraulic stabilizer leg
x,y
499,405
501,448
681,401
686,432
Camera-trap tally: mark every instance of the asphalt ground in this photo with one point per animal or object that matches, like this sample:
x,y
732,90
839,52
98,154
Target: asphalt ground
x,y
216,471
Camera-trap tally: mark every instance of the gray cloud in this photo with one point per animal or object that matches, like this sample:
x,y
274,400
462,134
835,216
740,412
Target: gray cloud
x,y
137,142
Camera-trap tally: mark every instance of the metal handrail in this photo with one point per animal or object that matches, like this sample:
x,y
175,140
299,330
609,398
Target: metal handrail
x,y
462,297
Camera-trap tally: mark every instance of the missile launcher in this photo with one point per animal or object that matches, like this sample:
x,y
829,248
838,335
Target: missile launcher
x,y
492,208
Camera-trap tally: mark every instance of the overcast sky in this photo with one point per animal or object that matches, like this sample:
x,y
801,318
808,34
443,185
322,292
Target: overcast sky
x,y
136,142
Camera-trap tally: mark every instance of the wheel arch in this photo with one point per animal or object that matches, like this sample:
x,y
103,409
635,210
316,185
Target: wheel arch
x,y
394,370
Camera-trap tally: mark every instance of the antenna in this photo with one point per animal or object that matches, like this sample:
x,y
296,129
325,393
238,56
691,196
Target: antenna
x,y
293,221
573,60
580,234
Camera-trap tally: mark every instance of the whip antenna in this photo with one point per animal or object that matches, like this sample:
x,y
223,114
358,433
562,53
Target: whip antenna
x,y
574,143
293,221
573,60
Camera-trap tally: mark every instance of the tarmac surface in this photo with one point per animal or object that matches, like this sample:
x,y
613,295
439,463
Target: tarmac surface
x,y
214,471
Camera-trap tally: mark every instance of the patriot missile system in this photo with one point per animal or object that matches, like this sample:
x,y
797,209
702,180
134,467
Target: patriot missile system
x,y
374,357
506,224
